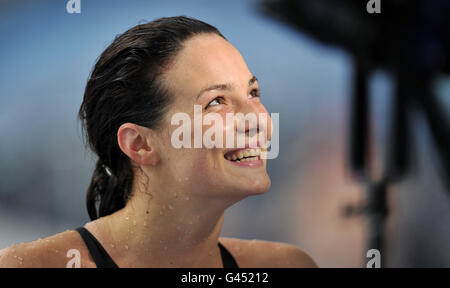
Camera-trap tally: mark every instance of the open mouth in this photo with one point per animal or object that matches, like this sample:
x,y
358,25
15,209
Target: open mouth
x,y
244,155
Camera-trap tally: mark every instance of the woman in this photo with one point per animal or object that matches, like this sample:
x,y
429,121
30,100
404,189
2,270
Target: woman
x,y
159,206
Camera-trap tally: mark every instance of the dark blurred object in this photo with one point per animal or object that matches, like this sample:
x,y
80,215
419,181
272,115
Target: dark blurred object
x,y
411,39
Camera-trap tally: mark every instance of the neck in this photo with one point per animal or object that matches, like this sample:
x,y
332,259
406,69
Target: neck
x,y
170,228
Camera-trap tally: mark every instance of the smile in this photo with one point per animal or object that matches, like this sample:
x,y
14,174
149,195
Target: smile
x,y
250,157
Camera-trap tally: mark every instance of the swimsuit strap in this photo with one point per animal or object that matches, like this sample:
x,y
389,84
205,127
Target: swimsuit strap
x,y
227,259
103,260
98,253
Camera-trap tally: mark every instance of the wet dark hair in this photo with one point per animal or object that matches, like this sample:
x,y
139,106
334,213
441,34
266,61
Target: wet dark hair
x,y
126,86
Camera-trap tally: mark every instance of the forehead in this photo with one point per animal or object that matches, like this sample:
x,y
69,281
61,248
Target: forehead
x,y
206,59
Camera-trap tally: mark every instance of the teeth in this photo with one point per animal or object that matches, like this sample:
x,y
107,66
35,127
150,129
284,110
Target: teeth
x,y
251,154
249,159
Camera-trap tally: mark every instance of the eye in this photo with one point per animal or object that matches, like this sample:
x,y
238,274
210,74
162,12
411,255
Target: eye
x,y
253,93
215,101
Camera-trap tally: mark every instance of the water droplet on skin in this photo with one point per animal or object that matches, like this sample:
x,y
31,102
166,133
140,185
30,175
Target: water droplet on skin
x,y
170,207
134,222
15,256
187,198
126,218
20,262
165,247
20,258
186,178
126,247
145,224
161,213
112,245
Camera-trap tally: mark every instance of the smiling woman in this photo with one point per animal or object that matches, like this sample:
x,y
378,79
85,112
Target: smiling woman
x,y
151,204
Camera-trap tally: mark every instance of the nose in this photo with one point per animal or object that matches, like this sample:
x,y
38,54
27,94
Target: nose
x,y
253,120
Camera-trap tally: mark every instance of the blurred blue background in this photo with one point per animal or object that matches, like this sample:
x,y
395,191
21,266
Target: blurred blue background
x,y
46,56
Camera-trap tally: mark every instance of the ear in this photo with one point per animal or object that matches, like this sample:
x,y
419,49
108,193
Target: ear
x,y
135,142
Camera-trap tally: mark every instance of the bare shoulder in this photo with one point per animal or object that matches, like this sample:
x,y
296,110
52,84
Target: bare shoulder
x,y
267,254
51,252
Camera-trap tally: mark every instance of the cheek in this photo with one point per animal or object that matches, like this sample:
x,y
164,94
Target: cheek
x,y
203,165
182,165
265,122
228,129
215,129
269,127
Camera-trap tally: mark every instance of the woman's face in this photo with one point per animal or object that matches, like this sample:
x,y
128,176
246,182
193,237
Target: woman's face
x,y
205,61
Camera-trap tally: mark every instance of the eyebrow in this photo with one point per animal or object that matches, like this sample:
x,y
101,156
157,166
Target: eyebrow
x,y
226,86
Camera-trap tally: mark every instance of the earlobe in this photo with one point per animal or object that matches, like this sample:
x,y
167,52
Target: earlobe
x,y
148,157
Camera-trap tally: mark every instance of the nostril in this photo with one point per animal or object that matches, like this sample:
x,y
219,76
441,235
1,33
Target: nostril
x,y
252,131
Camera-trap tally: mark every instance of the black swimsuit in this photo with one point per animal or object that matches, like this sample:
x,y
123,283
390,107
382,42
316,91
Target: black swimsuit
x,y
103,260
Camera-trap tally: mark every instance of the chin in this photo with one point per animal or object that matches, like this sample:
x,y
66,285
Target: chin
x,y
253,186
